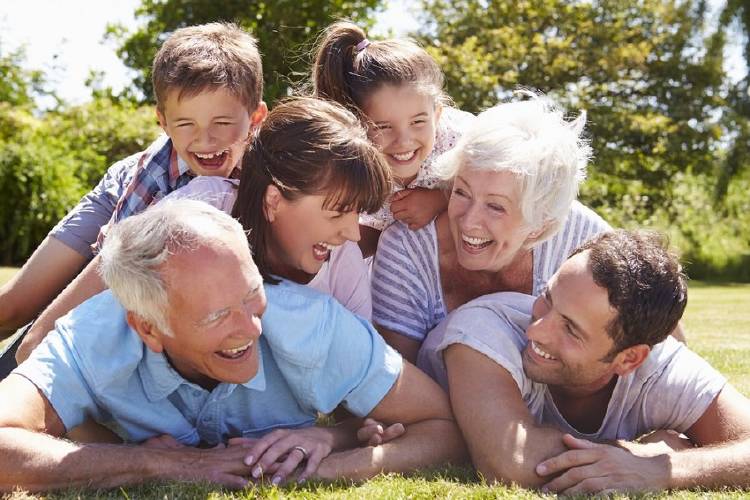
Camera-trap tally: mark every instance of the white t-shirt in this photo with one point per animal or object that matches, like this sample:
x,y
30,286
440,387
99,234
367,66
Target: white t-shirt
x,y
671,390
344,275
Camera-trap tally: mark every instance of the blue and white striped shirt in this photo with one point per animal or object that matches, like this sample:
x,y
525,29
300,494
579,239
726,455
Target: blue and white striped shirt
x,y
407,297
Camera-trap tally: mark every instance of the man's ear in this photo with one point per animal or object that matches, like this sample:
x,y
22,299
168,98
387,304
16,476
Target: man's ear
x,y
162,120
631,358
149,334
257,116
272,202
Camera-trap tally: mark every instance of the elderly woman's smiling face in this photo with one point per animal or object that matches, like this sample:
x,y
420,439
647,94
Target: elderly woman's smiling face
x,y
485,217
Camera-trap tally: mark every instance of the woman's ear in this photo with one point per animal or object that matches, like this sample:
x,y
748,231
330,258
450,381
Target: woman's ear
x,y
533,237
272,202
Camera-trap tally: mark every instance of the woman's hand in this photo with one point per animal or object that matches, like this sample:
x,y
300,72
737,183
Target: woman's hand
x,y
280,452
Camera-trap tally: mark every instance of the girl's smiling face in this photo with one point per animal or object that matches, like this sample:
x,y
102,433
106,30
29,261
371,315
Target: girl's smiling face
x,y
403,124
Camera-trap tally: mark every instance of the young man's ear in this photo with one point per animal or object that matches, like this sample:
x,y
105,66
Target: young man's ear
x,y
149,334
631,358
162,120
272,202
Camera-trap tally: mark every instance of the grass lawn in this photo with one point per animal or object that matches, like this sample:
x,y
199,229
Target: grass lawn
x,y
718,327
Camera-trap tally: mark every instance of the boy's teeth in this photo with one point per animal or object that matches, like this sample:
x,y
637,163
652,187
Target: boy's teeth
x,y
475,241
327,245
208,156
541,353
404,156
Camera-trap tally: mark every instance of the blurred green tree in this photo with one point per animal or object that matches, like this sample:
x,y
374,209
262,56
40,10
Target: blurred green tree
x,y
283,28
641,68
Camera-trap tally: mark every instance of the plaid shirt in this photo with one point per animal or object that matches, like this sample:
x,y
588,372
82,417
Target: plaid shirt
x,y
157,173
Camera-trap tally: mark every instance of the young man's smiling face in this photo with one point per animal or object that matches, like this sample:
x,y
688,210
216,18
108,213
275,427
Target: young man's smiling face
x,y
209,130
568,341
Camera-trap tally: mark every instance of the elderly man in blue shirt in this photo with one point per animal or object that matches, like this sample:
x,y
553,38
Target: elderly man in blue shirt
x,y
173,357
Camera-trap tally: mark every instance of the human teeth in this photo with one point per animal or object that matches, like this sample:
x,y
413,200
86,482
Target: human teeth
x,y
475,241
404,156
237,350
327,245
541,353
208,156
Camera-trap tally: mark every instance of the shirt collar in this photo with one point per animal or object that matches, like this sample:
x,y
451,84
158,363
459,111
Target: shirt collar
x,y
160,379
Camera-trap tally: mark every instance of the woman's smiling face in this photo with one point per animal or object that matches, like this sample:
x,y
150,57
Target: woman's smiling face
x,y
303,231
485,218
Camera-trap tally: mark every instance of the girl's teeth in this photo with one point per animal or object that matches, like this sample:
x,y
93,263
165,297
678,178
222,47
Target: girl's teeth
x,y
404,156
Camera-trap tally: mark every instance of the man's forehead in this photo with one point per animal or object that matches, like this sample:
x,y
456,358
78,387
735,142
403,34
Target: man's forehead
x,y
576,294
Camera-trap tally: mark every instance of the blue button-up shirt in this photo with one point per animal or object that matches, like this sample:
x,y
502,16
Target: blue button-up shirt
x,y
314,354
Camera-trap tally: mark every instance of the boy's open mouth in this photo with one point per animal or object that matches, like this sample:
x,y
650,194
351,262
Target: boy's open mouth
x,y
211,160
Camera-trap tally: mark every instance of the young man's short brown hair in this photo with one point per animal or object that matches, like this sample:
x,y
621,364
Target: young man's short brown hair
x,y
207,57
644,282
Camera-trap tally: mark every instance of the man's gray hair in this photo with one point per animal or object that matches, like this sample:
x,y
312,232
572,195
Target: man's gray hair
x,y
533,140
136,249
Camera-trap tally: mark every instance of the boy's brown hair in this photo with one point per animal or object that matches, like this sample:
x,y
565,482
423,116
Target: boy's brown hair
x,y
203,58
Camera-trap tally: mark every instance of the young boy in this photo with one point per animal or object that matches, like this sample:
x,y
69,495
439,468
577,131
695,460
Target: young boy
x,y
208,82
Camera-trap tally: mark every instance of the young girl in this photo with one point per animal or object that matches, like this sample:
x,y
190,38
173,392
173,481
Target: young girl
x,y
396,87
309,173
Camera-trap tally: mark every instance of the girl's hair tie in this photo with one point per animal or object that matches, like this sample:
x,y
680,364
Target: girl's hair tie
x,y
362,45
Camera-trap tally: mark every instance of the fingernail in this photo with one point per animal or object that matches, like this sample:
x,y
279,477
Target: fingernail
x,y
541,469
379,429
249,460
257,472
544,489
276,480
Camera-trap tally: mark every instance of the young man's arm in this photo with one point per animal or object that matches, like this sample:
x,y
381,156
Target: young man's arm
x,y
431,436
33,457
722,458
503,439
87,284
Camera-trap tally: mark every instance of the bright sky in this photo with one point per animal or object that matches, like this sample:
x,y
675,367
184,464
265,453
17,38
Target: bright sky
x,y
59,41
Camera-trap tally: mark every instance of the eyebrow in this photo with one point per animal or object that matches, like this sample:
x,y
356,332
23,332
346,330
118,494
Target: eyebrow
x,y
548,298
497,195
254,289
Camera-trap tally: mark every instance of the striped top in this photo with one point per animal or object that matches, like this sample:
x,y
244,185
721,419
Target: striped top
x,y
407,297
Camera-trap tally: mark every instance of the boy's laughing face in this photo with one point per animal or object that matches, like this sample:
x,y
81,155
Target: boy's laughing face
x,y
209,130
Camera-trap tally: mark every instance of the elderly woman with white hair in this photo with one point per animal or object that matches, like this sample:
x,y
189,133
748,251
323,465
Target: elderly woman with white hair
x,y
512,220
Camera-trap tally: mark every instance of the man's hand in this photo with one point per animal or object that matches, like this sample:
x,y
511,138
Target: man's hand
x,y
418,206
280,452
373,433
599,468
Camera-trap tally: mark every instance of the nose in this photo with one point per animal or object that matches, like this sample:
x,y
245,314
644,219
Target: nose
x,y
471,216
249,322
350,226
541,321
403,136
204,137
